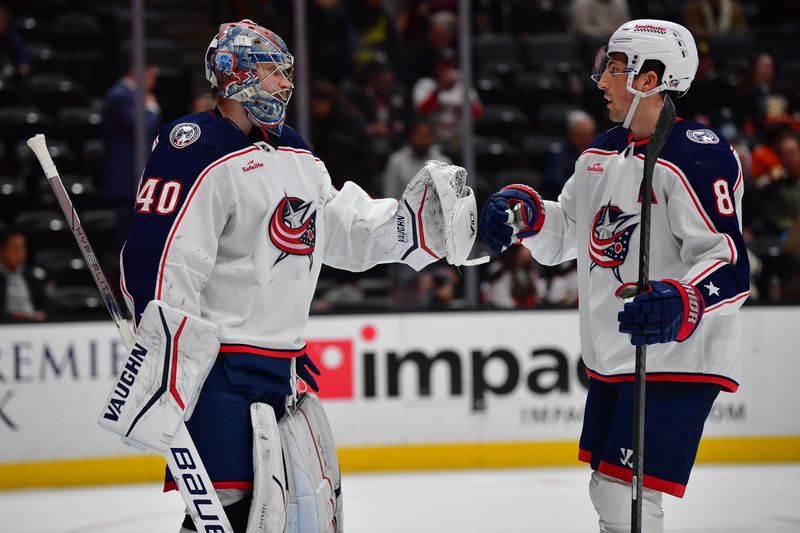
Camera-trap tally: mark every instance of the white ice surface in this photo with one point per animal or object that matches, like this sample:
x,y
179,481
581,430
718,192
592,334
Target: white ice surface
x,y
732,499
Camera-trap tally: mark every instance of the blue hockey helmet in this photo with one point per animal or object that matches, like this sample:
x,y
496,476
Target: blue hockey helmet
x,y
241,63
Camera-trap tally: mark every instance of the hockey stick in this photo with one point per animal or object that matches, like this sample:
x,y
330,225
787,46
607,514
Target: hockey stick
x,y
184,462
664,125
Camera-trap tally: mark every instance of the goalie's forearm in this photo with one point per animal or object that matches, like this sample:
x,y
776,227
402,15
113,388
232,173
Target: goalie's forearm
x,y
362,232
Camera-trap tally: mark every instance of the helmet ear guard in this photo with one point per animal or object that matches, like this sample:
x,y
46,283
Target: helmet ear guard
x,y
234,65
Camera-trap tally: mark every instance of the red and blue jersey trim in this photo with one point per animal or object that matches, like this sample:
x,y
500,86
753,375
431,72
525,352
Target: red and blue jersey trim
x,y
250,349
626,474
727,384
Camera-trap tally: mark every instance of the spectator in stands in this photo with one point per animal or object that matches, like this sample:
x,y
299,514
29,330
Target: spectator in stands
x,y
581,129
513,280
13,58
419,56
707,19
767,166
440,99
374,31
339,137
22,296
119,112
598,19
763,96
330,41
560,284
782,198
790,285
407,161
382,102
440,283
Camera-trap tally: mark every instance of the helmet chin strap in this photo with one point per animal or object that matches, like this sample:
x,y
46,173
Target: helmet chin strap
x,y
637,96
631,111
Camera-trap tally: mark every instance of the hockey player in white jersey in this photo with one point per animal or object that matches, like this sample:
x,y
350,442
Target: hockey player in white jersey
x,y
234,218
698,268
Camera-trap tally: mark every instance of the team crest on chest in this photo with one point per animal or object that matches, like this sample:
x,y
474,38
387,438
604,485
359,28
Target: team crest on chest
x,y
610,239
292,228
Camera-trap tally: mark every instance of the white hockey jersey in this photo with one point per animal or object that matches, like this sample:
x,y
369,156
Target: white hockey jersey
x,y
236,232
695,237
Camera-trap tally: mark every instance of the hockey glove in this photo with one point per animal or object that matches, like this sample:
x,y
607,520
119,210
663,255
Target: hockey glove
x,y
496,230
306,370
668,311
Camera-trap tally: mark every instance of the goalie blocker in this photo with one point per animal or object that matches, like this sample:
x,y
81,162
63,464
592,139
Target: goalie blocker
x,y
160,382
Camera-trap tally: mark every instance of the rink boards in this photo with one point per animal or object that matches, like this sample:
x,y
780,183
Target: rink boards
x,y
402,391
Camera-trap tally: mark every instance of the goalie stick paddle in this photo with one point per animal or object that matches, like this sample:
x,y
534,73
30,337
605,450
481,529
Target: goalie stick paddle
x,y
664,125
184,462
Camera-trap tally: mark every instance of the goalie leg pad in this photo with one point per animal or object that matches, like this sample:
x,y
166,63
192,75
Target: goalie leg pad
x,y
270,495
161,380
315,496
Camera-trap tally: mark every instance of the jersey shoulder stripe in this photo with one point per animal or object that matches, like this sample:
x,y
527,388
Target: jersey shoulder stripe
x,y
289,138
612,140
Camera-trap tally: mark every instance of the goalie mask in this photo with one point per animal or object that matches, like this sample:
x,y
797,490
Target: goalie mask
x,y
252,65
658,40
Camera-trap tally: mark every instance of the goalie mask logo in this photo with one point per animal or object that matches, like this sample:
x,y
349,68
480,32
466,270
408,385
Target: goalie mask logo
x,y
292,228
610,239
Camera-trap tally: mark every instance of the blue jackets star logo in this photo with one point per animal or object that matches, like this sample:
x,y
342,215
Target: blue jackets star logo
x,y
292,228
610,239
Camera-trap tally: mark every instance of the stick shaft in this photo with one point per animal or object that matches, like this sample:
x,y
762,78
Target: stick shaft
x,y
664,125
182,457
91,259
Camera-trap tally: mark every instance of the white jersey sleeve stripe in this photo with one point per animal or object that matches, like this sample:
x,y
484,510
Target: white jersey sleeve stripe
x,y
731,300
713,268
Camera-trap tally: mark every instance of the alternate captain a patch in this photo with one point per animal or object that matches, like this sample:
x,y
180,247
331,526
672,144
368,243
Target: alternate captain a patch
x,y
610,239
292,228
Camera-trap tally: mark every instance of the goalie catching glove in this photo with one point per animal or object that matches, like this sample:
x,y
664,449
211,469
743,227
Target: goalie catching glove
x,y
160,382
437,217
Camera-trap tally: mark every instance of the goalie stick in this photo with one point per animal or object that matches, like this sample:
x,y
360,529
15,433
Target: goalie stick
x,y
185,465
664,125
